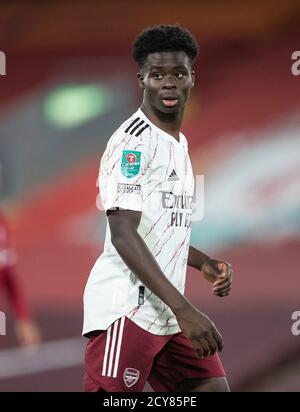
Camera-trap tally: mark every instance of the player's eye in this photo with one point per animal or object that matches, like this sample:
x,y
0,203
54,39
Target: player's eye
x,y
157,76
179,75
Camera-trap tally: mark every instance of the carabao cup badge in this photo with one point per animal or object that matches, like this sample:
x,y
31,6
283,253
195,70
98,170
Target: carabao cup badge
x,y
131,162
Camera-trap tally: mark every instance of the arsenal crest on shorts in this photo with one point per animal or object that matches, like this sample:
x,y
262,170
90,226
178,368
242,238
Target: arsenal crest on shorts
x,y
130,376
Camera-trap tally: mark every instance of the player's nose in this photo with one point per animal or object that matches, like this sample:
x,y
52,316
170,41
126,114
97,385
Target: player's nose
x,y
170,83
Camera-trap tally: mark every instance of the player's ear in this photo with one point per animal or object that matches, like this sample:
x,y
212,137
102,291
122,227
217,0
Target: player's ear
x,y
193,77
140,77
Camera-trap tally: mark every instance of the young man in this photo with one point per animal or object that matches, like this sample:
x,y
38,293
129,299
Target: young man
x,y
139,324
26,330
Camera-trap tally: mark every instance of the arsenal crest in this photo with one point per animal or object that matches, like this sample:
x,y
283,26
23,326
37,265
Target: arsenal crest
x,y
130,376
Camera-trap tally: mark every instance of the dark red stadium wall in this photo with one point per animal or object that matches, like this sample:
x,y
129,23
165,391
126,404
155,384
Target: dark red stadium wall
x,y
54,26
222,69
242,87
35,37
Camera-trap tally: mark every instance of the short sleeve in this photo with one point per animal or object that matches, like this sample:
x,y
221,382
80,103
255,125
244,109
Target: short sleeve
x,y
122,172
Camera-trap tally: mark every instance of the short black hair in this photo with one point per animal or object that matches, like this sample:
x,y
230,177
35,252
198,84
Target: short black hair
x,y
164,38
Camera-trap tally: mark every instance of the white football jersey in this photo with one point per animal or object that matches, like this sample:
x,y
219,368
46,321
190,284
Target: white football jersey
x,y
145,169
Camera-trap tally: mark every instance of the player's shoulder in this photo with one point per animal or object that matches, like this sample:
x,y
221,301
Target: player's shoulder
x,y
135,128
184,141
133,134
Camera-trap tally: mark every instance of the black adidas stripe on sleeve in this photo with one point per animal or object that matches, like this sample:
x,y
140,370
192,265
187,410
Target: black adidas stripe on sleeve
x,y
136,129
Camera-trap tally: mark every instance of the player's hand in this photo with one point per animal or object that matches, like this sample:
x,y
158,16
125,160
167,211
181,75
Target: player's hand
x,y
27,333
220,274
198,328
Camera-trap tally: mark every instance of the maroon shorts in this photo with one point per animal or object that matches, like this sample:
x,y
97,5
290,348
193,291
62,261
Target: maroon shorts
x,y
125,356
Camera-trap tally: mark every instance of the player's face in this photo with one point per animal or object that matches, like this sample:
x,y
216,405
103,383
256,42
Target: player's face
x,y
167,79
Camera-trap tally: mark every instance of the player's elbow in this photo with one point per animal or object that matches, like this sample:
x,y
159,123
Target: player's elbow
x,y
117,238
121,233
121,237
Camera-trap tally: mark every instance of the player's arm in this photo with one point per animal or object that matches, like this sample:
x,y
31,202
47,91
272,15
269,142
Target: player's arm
x,y
137,256
196,258
216,271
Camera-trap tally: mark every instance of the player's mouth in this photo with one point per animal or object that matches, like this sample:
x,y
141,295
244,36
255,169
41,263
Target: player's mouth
x,y
170,101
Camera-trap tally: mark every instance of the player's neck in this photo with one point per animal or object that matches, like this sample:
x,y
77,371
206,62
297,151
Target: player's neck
x,y
169,123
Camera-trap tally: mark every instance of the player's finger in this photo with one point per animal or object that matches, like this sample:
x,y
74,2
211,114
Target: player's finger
x,y
221,292
222,267
228,271
200,353
221,295
205,347
220,281
213,347
223,279
222,286
218,339
199,350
